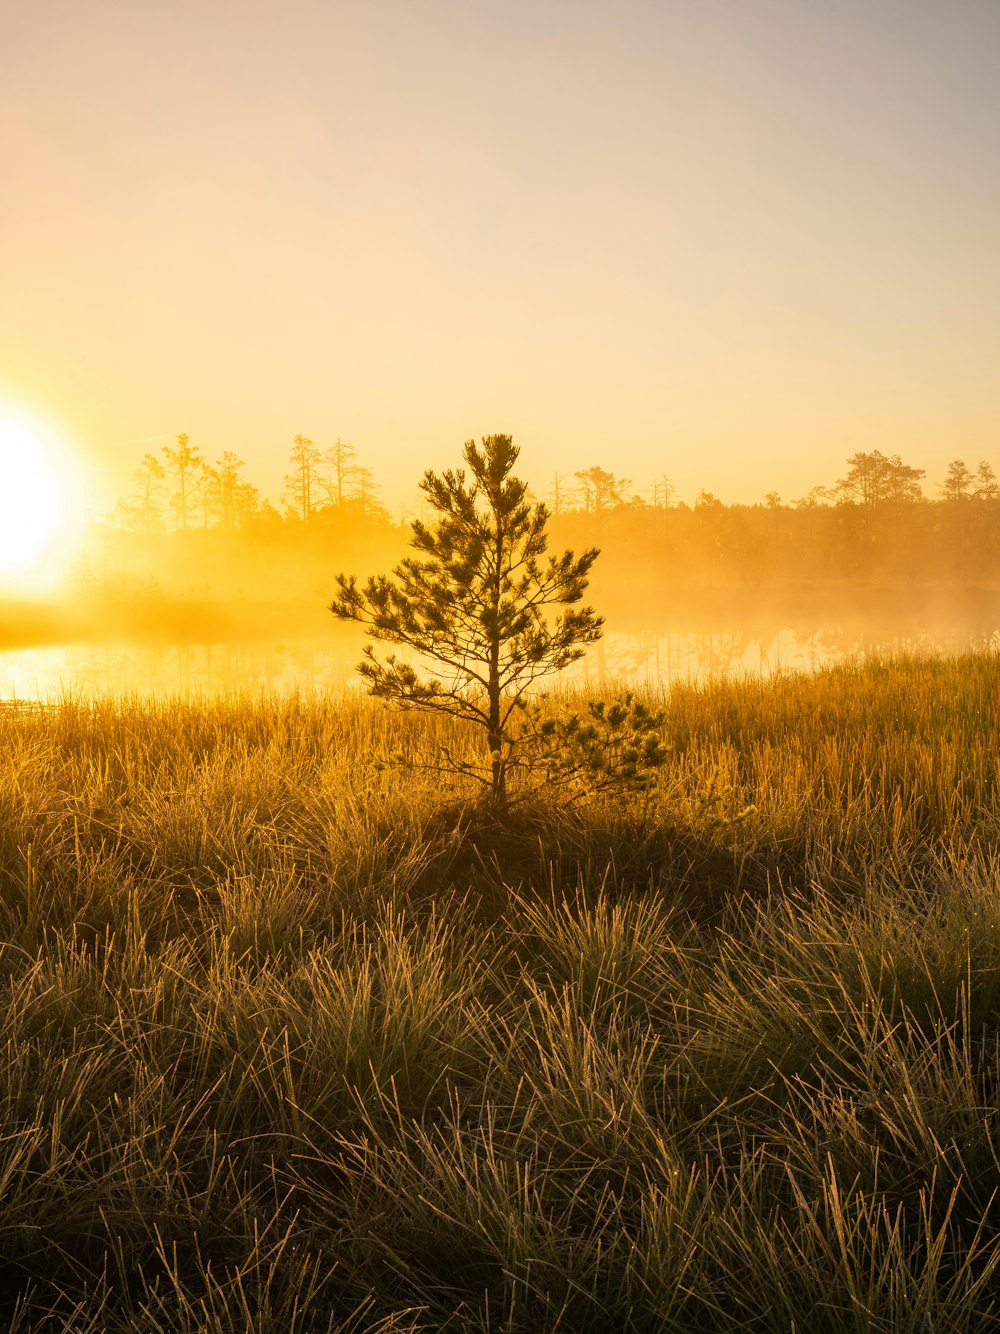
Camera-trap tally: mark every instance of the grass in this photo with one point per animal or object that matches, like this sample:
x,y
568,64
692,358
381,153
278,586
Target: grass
x,y
293,1039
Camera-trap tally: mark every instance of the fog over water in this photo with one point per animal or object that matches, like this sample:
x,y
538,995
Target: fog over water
x,y
237,600
322,666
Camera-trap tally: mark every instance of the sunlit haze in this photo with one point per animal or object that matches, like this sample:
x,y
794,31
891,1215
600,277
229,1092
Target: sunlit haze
x,y
730,244
39,505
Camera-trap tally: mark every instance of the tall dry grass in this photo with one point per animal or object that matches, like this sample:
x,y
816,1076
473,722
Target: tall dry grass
x,y
296,1039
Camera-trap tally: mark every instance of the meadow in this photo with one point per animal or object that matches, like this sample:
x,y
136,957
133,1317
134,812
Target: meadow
x,y
296,1037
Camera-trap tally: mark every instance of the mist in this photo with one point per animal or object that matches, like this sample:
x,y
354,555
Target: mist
x,y
214,587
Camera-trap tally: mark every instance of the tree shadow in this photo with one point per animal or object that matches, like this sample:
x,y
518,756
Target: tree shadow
x,y
604,849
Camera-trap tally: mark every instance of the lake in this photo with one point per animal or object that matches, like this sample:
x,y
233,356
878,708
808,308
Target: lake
x,y
312,665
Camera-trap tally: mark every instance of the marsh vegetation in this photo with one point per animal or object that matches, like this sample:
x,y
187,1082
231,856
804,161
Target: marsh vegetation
x,y
296,1039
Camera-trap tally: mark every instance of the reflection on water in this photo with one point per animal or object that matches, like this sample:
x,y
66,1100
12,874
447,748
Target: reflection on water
x,y
180,669
312,666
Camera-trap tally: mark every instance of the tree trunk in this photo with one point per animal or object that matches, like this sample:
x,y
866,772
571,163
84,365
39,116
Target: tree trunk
x,y
498,787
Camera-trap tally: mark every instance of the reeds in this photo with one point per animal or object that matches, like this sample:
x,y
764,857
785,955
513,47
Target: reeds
x,y
295,1039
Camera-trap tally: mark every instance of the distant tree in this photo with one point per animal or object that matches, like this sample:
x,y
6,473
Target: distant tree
x,y
302,478
124,514
478,601
342,471
772,500
819,495
601,490
558,493
227,481
205,494
959,481
185,462
663,491
365,496
987,487
875,480
149,476
247,504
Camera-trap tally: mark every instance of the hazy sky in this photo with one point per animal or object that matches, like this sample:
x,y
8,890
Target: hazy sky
x,y
729,242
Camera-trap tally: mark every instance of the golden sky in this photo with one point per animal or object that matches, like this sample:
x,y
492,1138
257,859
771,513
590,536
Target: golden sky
x,y
729,241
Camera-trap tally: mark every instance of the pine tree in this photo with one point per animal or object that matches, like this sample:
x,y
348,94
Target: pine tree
x,y
958,483
478,601
987,487
149,476
601,490
186,462
875,480
340,458
227,474
302,477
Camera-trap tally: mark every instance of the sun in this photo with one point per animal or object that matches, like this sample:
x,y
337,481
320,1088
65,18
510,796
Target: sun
x,y
36,503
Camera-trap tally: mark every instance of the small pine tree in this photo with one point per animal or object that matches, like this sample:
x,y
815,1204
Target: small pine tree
x,y
479,602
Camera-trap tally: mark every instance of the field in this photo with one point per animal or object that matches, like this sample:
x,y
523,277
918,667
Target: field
x,y
296,1038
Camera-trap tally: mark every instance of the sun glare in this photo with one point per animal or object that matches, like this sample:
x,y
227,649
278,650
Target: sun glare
x,y
35,504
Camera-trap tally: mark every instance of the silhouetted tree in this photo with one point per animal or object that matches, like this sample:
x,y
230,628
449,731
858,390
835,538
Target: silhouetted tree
x,y
875,479
247,504
478,601
227,480
124,514
186,462
366,491
987,487
958,484
663,491
558,494
819,495
205,493
343,471
600,490
302,477
150,476
987,492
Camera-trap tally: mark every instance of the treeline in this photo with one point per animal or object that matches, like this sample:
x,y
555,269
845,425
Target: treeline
x,y
877,521
180,489
196,552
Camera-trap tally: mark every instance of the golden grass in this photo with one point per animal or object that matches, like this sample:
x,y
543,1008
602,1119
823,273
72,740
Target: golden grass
x,y
296,1039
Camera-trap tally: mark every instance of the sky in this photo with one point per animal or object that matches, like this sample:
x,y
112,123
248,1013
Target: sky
x,y
729,242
